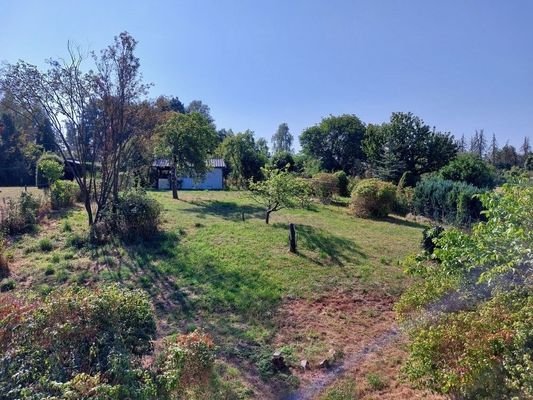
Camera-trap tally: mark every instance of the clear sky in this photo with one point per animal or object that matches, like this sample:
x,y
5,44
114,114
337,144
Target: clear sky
x,y
461,65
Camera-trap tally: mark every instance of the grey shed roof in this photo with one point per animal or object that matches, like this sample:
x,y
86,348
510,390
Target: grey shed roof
x,y
213,163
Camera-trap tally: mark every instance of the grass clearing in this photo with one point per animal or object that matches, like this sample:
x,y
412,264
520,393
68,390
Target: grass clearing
x,y
208,268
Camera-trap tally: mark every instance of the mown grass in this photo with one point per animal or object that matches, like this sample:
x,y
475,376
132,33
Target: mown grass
x,y
208,268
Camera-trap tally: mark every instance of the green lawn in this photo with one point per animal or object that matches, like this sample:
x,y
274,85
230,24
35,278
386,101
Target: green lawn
x,y
207,268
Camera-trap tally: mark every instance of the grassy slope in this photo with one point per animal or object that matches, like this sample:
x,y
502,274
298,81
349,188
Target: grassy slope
x,y
208,268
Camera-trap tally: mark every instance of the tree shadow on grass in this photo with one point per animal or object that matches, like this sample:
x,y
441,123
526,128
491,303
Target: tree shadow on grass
x,y
227,210
403,222
335,249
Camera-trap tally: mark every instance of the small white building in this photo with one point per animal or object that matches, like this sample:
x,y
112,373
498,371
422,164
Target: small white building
x,y
213,179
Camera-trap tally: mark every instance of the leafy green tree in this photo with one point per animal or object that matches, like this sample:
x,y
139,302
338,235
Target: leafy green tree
x,y
188,140
282,160
507,157
201,108
51,169
471,169
336,143
243,157
474,340
280,189
409,145
282,139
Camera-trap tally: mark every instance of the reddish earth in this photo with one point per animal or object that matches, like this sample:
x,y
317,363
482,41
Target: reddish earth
x,y
358,325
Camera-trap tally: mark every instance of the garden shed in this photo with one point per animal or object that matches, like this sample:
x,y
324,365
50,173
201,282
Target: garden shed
x,y
213,180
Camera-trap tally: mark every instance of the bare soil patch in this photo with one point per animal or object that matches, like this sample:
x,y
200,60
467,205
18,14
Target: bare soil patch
x,y
359,326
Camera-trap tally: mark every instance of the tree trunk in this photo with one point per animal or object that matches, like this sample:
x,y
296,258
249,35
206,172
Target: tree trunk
x,y
267,216
173,180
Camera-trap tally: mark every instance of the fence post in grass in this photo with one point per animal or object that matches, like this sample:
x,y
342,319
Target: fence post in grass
x,y
292,238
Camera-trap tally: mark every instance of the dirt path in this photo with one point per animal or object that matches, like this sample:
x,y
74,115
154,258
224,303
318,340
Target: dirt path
x,y
358,329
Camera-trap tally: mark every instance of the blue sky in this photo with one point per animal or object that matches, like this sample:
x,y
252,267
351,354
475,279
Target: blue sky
x,y
460,65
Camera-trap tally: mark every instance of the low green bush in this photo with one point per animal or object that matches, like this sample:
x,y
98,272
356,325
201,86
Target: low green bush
x,y
19,216
63,194
342,183
325,186
373,198
447,201
135,216
45,244
100,333
429,236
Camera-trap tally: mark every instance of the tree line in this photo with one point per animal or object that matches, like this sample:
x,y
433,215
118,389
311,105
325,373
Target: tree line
x,y
101,123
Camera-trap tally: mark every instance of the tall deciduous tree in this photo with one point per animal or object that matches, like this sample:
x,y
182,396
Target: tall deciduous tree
x,y
407,144
188,140
336,143
243,156
95,106
282,139
201,108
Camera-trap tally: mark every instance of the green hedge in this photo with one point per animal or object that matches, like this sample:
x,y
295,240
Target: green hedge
x,y
447,201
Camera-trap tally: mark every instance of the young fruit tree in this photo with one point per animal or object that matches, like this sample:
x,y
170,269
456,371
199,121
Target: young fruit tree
x,y
188,140
280,189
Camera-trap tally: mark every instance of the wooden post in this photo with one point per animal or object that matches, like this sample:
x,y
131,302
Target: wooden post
x,y
242,215
292,238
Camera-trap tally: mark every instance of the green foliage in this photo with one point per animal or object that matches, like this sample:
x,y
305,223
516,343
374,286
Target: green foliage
x,y
7,285
430,236
336,143
63,194
185,366
282,140
244,157
325,186
480,347
283,160
406,143
447,201
19,216
375,381
135,216
279,190
342,183
51,169
101,333
470,169
373,198
45,244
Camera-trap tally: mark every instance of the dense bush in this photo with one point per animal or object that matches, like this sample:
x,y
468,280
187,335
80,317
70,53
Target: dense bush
x,y
470,169
403,202
342,183
283,160
447,201
49,169
473,305
19,216
134,216
325,186
63,194
373,198
430,236
101,333
185,366
97,344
